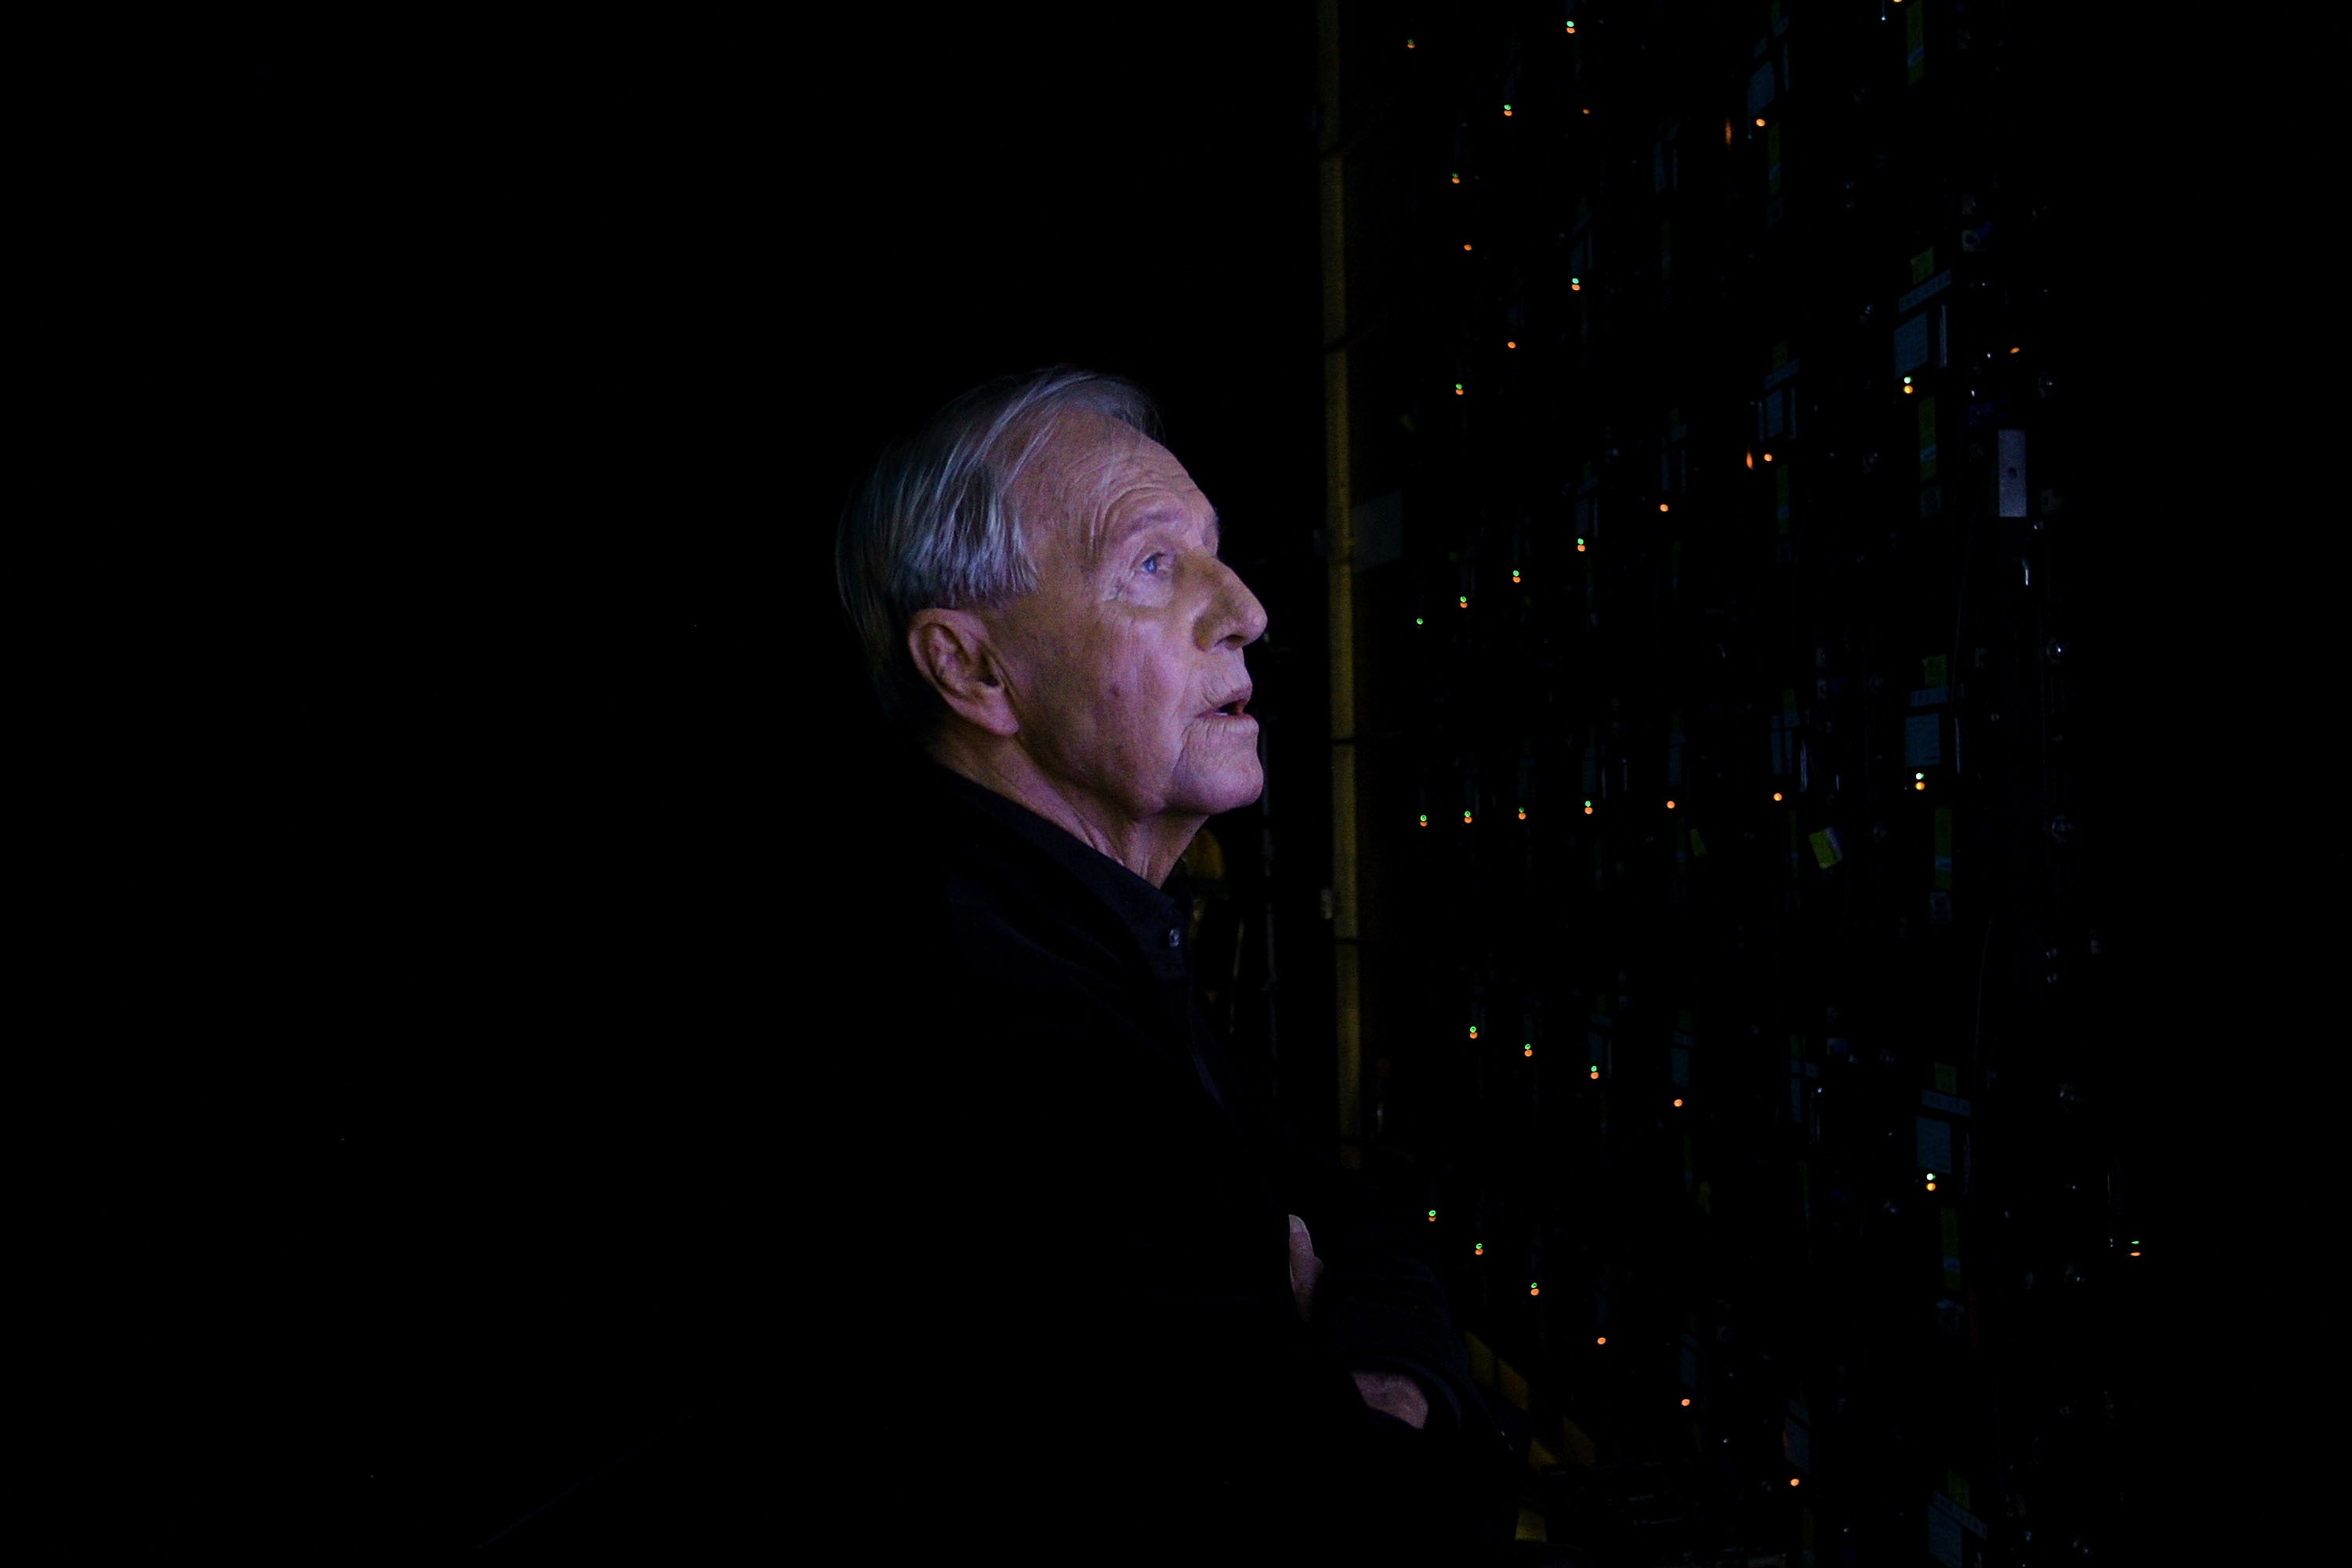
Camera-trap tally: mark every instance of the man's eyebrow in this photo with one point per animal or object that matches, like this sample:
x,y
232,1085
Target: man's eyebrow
x,y
1159,515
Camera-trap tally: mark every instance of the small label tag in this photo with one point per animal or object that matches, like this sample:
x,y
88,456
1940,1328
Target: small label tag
x,y
1926,291
1944,1539
1940,1505
1934,1142
1923,740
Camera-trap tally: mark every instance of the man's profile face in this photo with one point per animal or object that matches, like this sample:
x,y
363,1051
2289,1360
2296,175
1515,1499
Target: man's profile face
x,y
1117,663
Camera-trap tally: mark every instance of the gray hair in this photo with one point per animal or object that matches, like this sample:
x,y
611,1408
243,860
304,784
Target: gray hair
x,y
939,523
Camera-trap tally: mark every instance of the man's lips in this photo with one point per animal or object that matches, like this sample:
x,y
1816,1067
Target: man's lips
x,y
1232,705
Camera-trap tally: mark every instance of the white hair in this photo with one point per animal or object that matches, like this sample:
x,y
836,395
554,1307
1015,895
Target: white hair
x,y
939,523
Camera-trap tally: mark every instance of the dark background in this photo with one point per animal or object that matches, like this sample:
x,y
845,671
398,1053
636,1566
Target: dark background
x,y
518,379
529,371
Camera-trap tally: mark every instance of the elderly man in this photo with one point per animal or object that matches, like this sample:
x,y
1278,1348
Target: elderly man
x,y
1101,1280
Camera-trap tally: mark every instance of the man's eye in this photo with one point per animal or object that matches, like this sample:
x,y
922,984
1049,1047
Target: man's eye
x,y
1151,562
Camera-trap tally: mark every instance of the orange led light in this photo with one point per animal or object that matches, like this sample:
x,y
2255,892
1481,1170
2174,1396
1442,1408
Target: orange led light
x,y
1523,813
1580,548
1759,119
1792,1480
1465,246
1767,457
1509,343
1751,460
1670,805
1534,1290
1506,113
1601,1341
2017,351
1919,784
1686,1405
1457,179
1776,794
1588,811
1679,1105
1661,506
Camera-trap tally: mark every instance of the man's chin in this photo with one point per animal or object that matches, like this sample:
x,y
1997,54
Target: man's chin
x,y
1233,793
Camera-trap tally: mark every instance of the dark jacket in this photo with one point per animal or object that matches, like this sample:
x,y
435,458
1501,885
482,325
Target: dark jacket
x,y
1026,1276
1096,1303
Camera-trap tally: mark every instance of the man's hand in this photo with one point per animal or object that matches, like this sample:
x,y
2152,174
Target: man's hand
x,y
1306,1268
1397,1393
1391,1391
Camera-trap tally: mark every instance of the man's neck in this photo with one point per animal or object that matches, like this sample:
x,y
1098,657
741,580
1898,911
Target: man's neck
x,y
1149,848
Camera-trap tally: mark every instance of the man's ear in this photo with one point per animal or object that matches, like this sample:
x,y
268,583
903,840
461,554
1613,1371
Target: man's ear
x,y
952,651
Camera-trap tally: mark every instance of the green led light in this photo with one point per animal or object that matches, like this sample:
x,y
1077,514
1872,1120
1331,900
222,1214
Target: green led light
x,y
1418,621
1433,1214
1918,775
1463,601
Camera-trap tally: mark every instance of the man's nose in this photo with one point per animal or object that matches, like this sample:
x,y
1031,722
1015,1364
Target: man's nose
x,y
1233,618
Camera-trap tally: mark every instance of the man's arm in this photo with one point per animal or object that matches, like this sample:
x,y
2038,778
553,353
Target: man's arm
x,y
1391,1393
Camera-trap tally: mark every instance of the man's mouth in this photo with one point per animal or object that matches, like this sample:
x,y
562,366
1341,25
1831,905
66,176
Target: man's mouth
x,y
1235,705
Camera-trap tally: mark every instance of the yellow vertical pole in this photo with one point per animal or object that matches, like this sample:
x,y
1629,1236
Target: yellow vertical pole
x,y
1339,528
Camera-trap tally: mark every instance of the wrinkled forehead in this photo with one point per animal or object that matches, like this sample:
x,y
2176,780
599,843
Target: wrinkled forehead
x,y
1083,466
